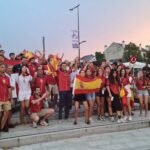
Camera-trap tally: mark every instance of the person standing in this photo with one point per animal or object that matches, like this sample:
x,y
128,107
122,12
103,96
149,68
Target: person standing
x,y
64,90
5,99
143,84
24,94
51,76
113,87
81,98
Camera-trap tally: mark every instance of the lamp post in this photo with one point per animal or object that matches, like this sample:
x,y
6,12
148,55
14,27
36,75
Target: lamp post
x,y
78,25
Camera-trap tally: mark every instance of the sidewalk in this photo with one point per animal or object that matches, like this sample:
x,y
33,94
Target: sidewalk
x,y
125,140
25,134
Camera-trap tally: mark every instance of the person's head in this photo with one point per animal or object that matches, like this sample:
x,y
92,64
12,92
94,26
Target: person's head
x,y
50,59
114,65
103,64
24,70
140,74
40,71
113,76
122,72
1,59
119,68
32,60
37,91
107,69
2,68
88,72
24,60
100,71
12,56
2,52
82,73
127,70
9,69
63,66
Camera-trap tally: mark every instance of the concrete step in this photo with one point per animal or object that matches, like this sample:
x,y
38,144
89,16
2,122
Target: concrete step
x,y
25,135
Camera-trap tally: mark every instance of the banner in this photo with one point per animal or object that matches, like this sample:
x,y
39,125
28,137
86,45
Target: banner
x,y
12,62
83,85
75,43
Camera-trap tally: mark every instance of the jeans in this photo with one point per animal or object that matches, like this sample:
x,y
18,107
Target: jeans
x,y
64,102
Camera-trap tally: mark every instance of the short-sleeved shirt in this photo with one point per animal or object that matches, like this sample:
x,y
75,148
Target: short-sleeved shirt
x,y
35,108
4,88
41,83
114,87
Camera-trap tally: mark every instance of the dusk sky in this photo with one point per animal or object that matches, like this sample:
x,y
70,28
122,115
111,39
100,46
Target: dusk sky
x,y
24,22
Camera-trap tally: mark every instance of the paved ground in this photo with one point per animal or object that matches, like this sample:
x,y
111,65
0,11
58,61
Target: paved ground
x,y
127,140
56,125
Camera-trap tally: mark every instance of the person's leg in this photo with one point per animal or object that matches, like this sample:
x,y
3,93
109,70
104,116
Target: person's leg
x,y
129,108
22,109
4,118
146,104
85,105
98,106
141,103
91,105
67,104
109,106
26,102
34,117
102,106
61,104
76,112
47,113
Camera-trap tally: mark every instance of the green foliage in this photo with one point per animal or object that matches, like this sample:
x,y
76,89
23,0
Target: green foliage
x,y
99,56
132,50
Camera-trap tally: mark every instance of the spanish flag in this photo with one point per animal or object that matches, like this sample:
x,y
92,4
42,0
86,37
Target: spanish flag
x,y
83,85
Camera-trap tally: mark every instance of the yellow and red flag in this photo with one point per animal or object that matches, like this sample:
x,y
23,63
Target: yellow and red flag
x,y
83,85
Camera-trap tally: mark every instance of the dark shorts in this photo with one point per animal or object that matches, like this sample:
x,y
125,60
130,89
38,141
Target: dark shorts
x,y
80,97
100,93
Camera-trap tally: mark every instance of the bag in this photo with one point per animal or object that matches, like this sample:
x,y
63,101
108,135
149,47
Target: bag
x,y
122,92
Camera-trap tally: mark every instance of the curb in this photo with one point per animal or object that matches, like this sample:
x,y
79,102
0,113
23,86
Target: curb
x,y
71,133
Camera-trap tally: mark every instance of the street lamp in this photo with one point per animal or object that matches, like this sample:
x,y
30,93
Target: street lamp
x,y
78,24
82,42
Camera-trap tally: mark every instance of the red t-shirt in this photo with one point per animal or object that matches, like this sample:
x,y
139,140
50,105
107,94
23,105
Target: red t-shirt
x,y
35,108
140,83
41,82
32,69
124,81
113,87
51,79
63,80
4,88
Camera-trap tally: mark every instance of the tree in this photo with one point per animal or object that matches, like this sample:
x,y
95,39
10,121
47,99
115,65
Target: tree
x,y
147,54
132,50
99,56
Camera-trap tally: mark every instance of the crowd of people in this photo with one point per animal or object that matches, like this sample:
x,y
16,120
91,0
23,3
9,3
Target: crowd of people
x,y
41,89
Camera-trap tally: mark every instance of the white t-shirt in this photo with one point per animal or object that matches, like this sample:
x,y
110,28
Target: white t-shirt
x,y
13,80
24,87
72,77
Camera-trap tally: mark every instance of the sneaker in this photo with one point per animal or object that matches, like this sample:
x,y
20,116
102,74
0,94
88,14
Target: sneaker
x,y
34,125
119,120
91,119
125,119
103,119
43,123
130,118
112,119
99,118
